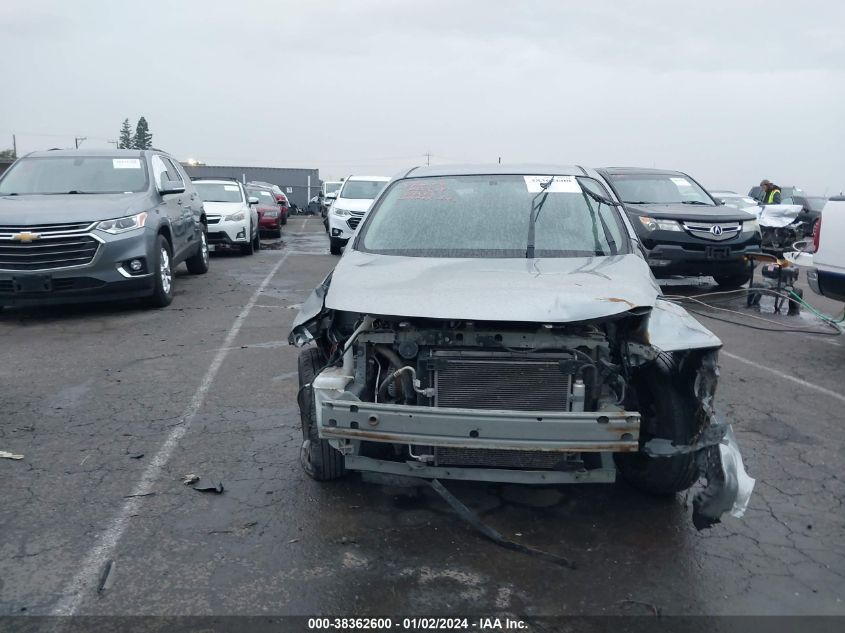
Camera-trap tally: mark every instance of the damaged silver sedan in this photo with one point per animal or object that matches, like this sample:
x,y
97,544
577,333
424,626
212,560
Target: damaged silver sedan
x,y
501,324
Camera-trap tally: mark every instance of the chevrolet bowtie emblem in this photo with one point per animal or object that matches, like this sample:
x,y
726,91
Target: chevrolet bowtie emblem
x,y
26,236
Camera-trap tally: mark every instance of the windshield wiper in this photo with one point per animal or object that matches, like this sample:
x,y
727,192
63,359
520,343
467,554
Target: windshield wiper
x,y
638,202
696,202
75,191
532,218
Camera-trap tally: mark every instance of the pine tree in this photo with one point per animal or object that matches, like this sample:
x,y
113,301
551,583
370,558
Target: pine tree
x,y
143,138
125,140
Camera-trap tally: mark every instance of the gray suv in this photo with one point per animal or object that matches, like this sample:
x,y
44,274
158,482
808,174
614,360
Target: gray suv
x,y
93,225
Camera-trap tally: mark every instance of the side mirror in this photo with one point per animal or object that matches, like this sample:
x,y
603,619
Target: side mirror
x,y
171,186
253,200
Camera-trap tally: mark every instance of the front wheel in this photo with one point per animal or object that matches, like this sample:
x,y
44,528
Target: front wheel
x,y
335,245
668,408
318,458
163,274
731,282
198,262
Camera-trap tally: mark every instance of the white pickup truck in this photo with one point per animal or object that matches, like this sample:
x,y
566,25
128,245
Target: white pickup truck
x,y
826,273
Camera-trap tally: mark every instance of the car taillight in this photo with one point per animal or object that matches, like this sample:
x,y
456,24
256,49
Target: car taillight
x,y
817,232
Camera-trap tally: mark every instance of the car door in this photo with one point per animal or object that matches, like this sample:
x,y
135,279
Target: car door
x,y
169,208
192,208
181,211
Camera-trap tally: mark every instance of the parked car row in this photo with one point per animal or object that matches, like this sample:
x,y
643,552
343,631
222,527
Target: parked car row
x,y
91,225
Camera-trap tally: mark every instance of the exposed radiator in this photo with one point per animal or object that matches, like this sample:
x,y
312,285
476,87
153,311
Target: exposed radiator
x,y
501,382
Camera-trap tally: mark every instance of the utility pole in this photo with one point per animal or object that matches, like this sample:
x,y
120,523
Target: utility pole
x,y
79,139
500,160
14,147
428,158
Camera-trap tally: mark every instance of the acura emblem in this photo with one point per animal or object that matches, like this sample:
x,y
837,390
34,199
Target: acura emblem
x,y
716,229
26,236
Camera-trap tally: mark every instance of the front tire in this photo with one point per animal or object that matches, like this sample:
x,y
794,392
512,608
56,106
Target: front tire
x,y
256,241
163,276
198,262
668,408
734,281
335,245
318,458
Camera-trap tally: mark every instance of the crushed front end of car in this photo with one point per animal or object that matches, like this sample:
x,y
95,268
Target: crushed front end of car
x,y
631,391
448,348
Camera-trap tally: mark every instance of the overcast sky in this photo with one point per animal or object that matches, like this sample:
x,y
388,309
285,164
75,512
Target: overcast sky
x,y
730,92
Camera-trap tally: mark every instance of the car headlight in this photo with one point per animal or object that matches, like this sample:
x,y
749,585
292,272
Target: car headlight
x,y
341,213
653,224
235,217
751,226
121,225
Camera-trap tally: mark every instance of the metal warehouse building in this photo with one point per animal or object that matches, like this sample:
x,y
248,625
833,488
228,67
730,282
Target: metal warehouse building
x,y
298,184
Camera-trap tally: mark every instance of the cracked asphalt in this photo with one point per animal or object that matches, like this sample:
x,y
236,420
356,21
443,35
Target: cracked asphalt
x,y
90,395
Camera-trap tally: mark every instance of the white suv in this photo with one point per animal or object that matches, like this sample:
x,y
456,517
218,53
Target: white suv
x,y
352,203
232,217
826,274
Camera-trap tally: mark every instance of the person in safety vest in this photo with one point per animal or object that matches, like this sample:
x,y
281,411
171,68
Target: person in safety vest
x,y
770,192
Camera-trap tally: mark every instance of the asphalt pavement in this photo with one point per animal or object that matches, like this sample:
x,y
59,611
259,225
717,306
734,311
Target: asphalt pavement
x,y
112,405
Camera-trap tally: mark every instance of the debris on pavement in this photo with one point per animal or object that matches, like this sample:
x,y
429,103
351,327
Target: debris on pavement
x,y
215,488
470,517
105,576
7,455
136,456
190,479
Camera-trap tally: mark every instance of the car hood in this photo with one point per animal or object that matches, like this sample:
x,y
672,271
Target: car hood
x,y
54,209
222,208
352,204
690,212
528,290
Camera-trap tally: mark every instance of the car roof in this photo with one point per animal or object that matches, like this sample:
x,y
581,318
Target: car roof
x,y
627,171
495,169
105,151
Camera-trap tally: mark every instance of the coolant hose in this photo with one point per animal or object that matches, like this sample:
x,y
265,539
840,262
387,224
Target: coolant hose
x,y
406,384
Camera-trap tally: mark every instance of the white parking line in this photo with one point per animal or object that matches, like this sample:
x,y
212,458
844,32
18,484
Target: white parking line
x,y
785,376
103,549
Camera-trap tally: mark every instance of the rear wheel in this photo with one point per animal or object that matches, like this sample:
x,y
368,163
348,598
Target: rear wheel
x,y
163,275
284,219
198,262
319,460
335,245
668,407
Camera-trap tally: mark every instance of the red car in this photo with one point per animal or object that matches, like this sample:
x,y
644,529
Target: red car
x,y
271,215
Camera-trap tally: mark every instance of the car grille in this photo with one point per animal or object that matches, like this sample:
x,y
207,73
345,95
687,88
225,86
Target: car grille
x,y
515,384
75,227
47,253
714,230
355,220
502,458
213,219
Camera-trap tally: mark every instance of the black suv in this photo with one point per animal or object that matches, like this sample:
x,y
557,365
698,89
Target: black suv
x,y
92,225
683,229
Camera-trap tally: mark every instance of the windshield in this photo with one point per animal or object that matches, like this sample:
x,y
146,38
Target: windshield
x,y
488,216
75,174
218,192
816,203
658,189
362,189
265,198
736,200
331,187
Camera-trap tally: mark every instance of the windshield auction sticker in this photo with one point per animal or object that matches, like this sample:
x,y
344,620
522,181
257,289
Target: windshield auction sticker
x,y
230,187
126,163
558,184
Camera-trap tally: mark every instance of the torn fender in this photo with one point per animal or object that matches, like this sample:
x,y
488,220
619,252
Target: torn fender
x,y
304,325
673,329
